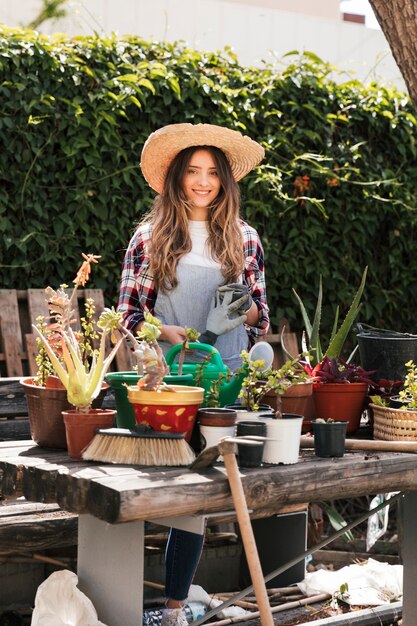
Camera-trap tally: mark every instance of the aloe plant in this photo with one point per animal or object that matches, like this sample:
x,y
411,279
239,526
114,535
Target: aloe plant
x,y
80,368
338,335
83,380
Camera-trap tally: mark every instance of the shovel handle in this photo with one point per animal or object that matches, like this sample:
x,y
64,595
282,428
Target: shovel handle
x,y
228,450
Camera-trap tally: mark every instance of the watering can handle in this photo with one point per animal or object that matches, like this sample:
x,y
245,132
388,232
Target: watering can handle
x,y
216,359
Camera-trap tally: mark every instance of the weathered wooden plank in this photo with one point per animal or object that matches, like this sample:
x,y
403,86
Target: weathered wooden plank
x,y
124,359
267,489
37,305
14,429
17,464
13,355
32,352
29,528
9,314
21,506
117,493
290,342
12,397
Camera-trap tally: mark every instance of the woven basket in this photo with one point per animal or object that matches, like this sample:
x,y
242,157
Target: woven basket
x,y
394,424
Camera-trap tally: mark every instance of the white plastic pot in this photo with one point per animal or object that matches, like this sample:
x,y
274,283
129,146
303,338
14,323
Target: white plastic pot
x,y
283,439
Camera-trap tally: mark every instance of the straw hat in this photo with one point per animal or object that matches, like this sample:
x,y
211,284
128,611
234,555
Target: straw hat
x,y
164,144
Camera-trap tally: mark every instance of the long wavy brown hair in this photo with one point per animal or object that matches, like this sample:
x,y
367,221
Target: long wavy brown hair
x,y
169,217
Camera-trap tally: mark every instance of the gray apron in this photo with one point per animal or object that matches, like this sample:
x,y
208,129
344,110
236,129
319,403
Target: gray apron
x,y
189,305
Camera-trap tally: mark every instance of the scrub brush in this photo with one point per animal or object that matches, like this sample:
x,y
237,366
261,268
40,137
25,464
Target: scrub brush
x,y
140,446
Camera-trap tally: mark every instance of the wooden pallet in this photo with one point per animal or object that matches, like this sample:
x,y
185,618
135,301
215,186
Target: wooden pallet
x,y
19,309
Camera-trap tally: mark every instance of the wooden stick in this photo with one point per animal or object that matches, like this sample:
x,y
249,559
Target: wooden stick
x,y
222,597
228,450
369,444
244,604
276,609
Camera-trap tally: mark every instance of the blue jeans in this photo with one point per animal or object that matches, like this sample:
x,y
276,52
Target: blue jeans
x,y
182,555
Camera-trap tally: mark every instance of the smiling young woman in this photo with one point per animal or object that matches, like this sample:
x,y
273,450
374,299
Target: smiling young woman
x,y
183,257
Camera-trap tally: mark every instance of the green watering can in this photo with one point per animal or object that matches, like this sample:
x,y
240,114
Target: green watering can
x,y
214,366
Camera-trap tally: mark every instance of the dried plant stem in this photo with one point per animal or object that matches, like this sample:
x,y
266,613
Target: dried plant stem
x,y
276,609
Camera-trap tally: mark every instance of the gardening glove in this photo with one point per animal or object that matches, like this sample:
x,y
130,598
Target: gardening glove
x,y
238,290
223,317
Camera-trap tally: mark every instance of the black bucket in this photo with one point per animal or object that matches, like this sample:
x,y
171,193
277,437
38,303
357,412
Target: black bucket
x,y
385,351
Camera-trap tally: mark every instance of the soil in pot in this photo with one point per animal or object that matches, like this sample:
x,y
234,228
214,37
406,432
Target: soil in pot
x,y
80,428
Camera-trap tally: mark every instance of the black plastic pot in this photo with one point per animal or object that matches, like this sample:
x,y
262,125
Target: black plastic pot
x,y
329,438
250,455
396,402
385,351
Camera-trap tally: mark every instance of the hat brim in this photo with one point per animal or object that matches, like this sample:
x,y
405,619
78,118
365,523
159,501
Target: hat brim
x,y
162,146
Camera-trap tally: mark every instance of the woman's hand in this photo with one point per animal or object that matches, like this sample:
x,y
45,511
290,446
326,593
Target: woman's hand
x,y
172,334
252,316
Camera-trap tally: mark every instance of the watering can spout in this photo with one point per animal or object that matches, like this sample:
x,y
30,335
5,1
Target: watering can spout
x,y
213,370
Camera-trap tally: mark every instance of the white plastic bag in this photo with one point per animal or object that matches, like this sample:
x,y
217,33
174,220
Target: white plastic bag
x,y
198,594
59,602
377,522
370,584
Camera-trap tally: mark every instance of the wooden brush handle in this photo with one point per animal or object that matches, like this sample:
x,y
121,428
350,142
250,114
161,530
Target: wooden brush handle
x,y
378,445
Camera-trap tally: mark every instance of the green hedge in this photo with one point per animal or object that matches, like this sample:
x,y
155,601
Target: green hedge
x,y
335,193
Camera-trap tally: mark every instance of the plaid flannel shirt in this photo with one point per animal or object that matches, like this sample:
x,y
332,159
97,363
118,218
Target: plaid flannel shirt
x,y
137,288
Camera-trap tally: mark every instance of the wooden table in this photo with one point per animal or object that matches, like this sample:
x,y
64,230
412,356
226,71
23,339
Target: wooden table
x,y
114,500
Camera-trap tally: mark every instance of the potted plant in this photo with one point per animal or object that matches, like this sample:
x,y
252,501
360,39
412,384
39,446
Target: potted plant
x,y
395,417
260,386
340,390
329,437
46,396
161,406
80,370
283,429
312,343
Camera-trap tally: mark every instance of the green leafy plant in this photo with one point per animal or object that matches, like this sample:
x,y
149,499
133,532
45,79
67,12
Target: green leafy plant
x,y
336,370
258,382
43,362
191,334
409,392
338,334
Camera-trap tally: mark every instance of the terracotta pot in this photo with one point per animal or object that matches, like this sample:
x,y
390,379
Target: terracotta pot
x,y
45,406
212,416
167,411
80,428
340,402
298,399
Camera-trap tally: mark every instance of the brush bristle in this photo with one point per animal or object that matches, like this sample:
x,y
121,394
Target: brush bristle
x,y
139,451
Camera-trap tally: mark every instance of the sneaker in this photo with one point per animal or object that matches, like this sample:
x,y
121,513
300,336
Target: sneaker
x,y
174,617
